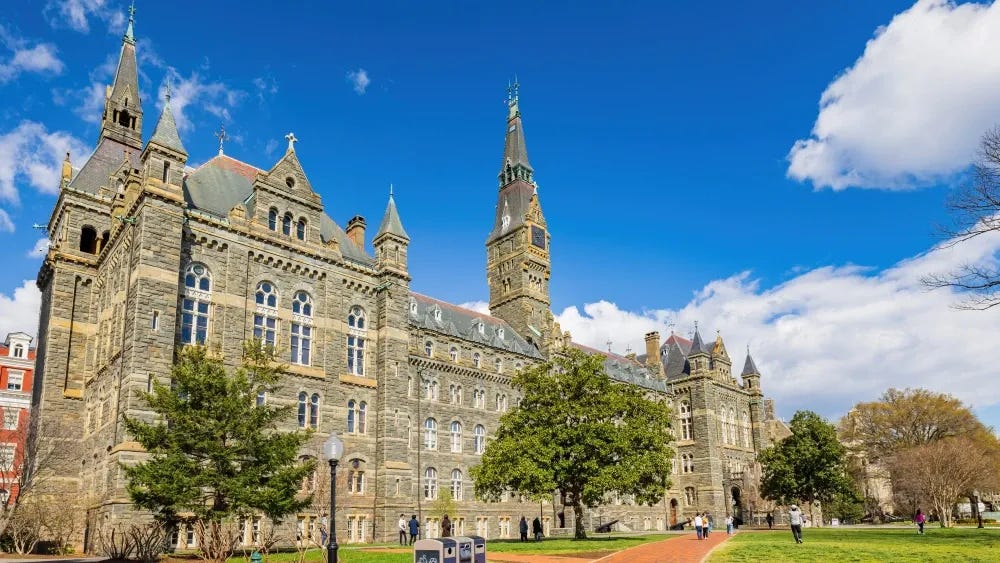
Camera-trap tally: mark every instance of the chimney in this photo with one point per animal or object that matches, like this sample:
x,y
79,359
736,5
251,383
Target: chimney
x,y
653,351
356,230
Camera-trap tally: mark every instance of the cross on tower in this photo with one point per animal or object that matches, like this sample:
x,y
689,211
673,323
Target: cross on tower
x,y
291,141
221,136
609,343
131,11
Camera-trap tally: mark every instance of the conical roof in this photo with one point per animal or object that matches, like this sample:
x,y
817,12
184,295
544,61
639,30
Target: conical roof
x,y
391,223
165,134
697,346
750,368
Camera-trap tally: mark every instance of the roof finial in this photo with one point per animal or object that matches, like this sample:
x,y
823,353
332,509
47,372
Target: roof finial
x,y
290,137
129,34
167,95
609,343
390,190
222,137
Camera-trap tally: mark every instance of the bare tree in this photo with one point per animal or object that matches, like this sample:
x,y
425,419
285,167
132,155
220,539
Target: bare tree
x,y
975,210
940,472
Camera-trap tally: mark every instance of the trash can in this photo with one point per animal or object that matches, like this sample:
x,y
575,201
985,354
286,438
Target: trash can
x,y
478,549
443,550
465,549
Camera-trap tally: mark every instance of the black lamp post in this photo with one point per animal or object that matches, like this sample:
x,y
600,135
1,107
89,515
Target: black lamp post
x,y
333,448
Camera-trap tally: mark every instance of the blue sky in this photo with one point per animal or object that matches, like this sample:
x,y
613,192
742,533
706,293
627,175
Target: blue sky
x,y
662,138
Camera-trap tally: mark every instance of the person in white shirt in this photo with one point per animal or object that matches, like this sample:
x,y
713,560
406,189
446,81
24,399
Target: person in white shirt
x,y
795,519
729,525
402,529
698,523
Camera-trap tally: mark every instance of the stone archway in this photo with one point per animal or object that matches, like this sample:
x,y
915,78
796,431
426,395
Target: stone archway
x,y
737,499
673,511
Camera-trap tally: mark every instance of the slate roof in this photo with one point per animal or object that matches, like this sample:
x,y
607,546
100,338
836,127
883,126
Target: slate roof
x,y
224,182
513,201
515,150
165,133
390,222
697,346
750,368
673,356
107,157
625,369
127,75
464,324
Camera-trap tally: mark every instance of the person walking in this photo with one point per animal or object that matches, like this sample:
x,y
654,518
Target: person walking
x,y
709,521
920,519
402,529
698,525
536,529
446,527
729,525
523,527
414,529
770,521
795,519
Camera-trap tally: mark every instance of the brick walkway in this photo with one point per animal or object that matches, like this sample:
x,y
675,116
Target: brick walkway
x,y
680,549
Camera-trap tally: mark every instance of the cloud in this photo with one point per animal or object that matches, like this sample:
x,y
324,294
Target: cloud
x,y
270,146
40,58
39,250
19,312
193,91
359,79
477,306
911,110
76,14
32,153
6,225
265,86
87,101
830,337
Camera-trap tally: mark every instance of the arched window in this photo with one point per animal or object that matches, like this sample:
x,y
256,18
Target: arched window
x,y
352,406
265,319
456,484
301,333
690,496
88,240
430,484
479,439
314,411
303,400
476,360
501,402
300,229
685,414
430,389
498,364
272,219
430,434
261,398
194,306
428,348
746,429
453,353
286,224
456,394
732,426
363,417
356,333
456,436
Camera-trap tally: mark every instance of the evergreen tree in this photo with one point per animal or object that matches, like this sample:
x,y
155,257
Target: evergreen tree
x,y
808,466
578,432
213,451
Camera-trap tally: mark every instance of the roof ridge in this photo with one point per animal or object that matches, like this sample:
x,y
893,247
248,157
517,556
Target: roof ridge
x,y
459,307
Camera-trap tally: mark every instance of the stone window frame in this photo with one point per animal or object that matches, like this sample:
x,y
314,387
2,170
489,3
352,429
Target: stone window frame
x,y
479,439
315,400
357,336
303,409
429,348
747,432
266,325
477,360
456,437
15,380
430,484
301,331
272,219
197,292
686,417
453,353
430,434
301,228
357,417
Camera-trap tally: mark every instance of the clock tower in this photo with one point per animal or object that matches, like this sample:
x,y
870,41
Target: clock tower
x,y
517,250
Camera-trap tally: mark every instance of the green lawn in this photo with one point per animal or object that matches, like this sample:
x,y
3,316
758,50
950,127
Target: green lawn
x,y
831,545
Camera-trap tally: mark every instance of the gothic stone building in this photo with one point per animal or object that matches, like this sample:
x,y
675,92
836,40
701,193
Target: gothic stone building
x,y
149,255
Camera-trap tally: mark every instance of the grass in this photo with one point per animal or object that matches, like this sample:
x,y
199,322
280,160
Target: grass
x,y
592,547
832,545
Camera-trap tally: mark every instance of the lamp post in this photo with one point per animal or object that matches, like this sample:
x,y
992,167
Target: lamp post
x,y
333,448
979,515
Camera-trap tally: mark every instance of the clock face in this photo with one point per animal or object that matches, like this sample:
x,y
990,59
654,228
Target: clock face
x,y
538,236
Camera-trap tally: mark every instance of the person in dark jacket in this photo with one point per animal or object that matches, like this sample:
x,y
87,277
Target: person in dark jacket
x,y
446,527
523,527
414,529
770,521
536,529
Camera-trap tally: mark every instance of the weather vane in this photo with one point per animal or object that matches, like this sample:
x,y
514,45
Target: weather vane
x,y
222,137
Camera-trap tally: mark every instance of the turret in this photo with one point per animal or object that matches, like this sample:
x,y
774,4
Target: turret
x,y
751,375
721,363
122,118
165,156
391,242
698,357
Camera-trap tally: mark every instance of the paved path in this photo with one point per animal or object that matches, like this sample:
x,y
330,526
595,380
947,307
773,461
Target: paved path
x,y
682,549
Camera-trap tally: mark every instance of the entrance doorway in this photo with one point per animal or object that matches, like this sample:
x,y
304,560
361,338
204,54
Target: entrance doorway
x,y
737,505
673,511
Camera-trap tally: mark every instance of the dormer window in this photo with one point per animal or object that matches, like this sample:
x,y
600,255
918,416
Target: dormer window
x,y
413,307
482,329
437,315
18,351
500,333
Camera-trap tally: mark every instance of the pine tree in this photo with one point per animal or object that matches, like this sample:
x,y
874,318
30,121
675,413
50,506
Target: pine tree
x,y
214,451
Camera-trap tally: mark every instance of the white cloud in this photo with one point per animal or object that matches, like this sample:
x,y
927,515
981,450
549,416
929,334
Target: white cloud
x,y
19,312
32,153
76,14
477,306
912,108
265,86
6,225
38,251
359,80
213,97
40,58
832,336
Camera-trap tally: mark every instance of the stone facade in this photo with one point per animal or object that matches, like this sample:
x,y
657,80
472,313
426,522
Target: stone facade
x,y
149,255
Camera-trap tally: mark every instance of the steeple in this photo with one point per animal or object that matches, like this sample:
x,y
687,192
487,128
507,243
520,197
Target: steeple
x,y
165,133
697,346
122,118
391,243
515,165
749,368
751,375
390,221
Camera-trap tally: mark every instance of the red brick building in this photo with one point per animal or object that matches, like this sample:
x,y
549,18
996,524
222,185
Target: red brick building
x,y
17,372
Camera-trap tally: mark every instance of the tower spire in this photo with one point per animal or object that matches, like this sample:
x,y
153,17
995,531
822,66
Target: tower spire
x,y
122,119
515,165
129,33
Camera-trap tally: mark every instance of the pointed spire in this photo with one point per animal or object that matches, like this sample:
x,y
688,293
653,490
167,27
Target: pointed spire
x,y
749,368
697,346
122,118
391,225
165,134
129,33
515,165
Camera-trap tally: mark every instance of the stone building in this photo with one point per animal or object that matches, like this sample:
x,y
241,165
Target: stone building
x,y
149,255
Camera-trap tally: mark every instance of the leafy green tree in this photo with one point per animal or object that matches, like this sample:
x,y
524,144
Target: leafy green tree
x,y
808,466
214,452
578,432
